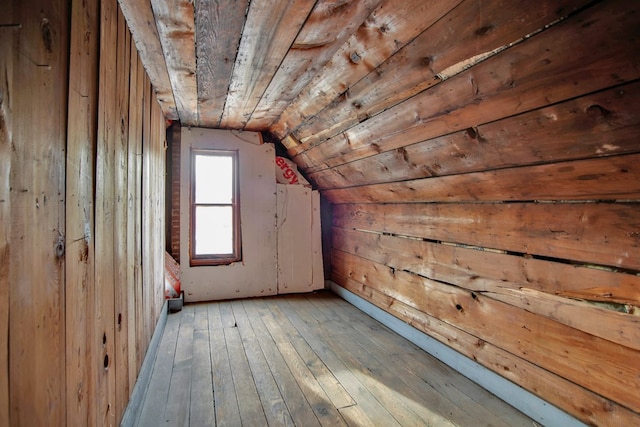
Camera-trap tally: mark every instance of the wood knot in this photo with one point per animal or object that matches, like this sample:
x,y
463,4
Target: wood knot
x,y
484,30
354,57
47,37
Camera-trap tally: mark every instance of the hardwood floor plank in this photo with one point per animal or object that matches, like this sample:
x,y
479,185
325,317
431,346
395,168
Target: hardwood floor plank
x,y
404,396
251,411
304,360
275,408
227,412
201,319
284,332
290,386
309,329
152,413
226,315
177,410
470,401
202,409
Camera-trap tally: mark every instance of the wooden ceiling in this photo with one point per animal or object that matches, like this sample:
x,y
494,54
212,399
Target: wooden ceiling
x,y
310,71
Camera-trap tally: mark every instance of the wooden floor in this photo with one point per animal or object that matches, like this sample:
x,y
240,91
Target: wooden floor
x,y
305,361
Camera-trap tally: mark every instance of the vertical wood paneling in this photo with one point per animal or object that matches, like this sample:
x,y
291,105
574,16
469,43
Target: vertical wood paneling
x,y
80,255
36,316
105,216
147,212
133,220
7,55
121,320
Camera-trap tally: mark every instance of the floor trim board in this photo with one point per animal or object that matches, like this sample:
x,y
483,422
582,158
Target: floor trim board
x,y
132,412
521,399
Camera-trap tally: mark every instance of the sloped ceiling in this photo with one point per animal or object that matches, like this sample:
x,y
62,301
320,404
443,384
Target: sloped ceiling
x,y
311,71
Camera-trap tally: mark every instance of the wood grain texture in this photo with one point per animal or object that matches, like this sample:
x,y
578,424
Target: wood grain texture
x,y
120,236
108,130
8,53
545,69
37,386
390,27
479,270
219,25
270,28
587,406
604,123
328,26
610,178
561,349
141,22
604,234
473,28
175,24
80,259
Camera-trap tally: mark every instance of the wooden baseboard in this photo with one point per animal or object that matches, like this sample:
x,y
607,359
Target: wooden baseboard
x,y
521,399
132,412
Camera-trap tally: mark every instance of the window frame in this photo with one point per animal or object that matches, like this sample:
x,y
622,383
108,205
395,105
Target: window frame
x,y
215,259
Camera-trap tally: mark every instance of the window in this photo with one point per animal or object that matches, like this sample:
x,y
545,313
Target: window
x,y
215,209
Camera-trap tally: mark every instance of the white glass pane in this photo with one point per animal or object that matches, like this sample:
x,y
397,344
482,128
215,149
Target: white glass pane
x,y
214,230
214,179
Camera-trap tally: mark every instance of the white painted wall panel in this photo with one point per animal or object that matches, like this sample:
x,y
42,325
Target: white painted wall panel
x,y
256,274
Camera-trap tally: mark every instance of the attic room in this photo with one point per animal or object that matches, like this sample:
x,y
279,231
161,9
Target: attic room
x,y
431,211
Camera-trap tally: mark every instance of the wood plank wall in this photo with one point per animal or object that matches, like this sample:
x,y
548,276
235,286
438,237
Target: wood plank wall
x,y
79,124
498,208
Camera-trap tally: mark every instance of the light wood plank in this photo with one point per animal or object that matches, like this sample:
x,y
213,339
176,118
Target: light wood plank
x,y
284,332
402,395
120,166
175,24
611,178
478,270
560,349
295,401
176,412
251,411
392,25
312,49
269,31
477,27
80,357
219,25
527,76
605,123
202,408
227,412
273,404
590,232
323,348
142,24
157,395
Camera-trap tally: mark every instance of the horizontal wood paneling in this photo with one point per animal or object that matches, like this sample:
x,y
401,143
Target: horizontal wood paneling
x,y
596,233
327,27
487,26
612,178
605,123
482,270
546,69
392,25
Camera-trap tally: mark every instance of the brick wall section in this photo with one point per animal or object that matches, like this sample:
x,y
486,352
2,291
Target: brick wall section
x,y
174,176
